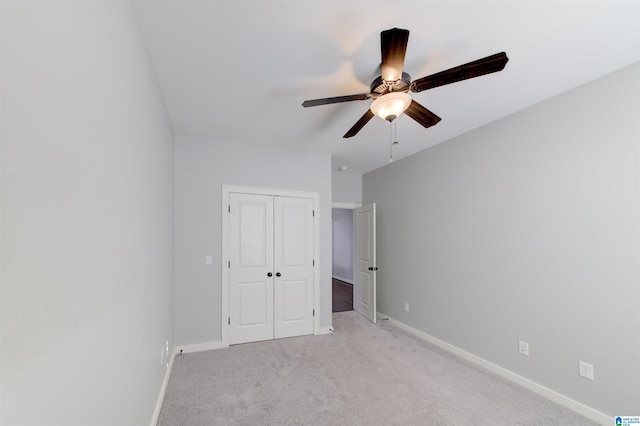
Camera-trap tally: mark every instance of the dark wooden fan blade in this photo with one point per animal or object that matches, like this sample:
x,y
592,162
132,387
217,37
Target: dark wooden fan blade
x,y
473,69
393,45
360,124
421,114
335,100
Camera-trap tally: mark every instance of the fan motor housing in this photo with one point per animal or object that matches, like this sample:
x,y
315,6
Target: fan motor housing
x,y
379,86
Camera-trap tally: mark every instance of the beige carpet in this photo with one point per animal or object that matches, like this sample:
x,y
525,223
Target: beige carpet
x,y
363,374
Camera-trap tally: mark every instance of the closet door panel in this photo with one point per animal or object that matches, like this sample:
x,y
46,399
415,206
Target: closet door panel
x,y
251,262
293,263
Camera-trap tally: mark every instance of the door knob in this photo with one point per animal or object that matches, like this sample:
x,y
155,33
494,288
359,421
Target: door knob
x,y
278,274
269,274
373,268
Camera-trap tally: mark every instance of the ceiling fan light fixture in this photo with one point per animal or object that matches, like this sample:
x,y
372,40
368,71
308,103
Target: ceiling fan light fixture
x,y
391,105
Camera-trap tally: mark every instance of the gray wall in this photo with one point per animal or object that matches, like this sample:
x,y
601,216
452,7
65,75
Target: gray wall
x,y
87,217
347,188
343,244
201,168
527,228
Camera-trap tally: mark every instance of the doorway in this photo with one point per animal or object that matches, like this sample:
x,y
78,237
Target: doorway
x,y
342,272
354,255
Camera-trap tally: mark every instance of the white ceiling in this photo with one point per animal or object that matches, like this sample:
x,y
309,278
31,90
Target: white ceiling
x,y
238,71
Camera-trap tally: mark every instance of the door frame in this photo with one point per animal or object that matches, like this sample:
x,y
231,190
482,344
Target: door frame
x,y
224,259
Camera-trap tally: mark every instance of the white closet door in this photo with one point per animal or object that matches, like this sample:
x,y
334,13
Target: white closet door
x,y
251,256
293,265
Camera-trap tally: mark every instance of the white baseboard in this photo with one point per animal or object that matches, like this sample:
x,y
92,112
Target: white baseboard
x,y
163,390
199,347
343,279
554,396
324,330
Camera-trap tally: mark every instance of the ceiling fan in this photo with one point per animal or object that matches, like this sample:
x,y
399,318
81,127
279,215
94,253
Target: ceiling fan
x,y
390,90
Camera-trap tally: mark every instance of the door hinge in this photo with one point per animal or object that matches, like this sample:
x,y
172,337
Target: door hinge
x,y
314,312
229,264
229,208
229,320
313,213
314,262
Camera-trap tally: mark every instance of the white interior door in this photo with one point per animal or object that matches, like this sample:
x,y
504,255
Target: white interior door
x,y
293,266
364,289
251,257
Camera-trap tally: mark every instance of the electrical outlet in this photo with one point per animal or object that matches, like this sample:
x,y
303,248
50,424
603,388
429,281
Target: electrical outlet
x,y
208,260
586,370
523,347
406,307
167,353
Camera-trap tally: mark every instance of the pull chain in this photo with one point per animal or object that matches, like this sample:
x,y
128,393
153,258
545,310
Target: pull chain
x,y
391,141
393,138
